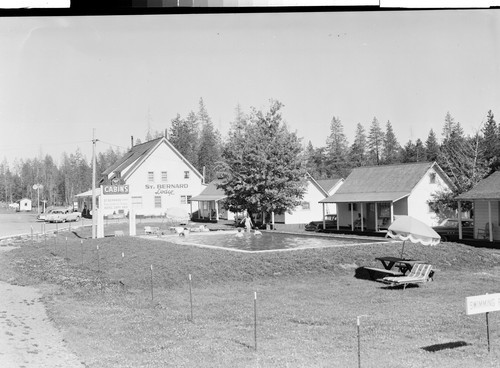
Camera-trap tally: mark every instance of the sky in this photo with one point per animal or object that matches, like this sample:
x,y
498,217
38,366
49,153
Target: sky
x,y
63,77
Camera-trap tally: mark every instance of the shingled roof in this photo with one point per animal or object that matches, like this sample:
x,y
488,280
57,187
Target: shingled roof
x,y
138,154
383,183
488,188
210,193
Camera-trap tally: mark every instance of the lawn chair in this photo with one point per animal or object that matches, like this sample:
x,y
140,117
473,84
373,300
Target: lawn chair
x,y
419,273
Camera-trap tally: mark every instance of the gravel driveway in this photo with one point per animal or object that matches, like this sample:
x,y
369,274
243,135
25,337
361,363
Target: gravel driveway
x,y
27,337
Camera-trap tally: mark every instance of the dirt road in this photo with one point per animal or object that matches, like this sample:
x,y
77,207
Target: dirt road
x,y
27,337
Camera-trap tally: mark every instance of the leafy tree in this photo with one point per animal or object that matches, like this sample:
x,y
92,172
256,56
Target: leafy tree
x,y
263,169
357,152
391,145
209,153
337,148
432,147
375,142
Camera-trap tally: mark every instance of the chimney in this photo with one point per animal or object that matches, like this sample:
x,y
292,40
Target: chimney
x,y
132,140
165,133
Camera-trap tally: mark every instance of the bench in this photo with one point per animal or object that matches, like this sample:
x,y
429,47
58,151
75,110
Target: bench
x,y
420,273
151,230
374,270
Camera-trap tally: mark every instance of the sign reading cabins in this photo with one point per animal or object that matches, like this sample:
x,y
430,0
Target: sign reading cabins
x,y
115,198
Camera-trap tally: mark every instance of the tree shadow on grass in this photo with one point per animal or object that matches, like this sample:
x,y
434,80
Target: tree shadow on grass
x,y
446,345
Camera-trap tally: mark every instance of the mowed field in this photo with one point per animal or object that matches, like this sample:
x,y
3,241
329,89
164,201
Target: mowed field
x,y
125,302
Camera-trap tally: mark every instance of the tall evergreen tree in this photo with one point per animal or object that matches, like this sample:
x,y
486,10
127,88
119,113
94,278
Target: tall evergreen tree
x,y
357,152
409,153
210,149
491,142
420,151
431,147
184,135
337,148
391,145
375,142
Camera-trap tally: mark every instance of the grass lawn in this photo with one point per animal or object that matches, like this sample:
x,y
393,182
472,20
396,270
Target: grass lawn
x,y
307,304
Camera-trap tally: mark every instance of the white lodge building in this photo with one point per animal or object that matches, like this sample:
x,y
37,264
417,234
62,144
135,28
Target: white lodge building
x,y
160,180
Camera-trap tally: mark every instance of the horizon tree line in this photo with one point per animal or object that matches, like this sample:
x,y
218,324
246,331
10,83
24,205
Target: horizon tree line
x,y
465,158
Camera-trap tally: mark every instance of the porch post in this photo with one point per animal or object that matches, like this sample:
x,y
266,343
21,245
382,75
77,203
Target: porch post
x,y
338,217
324,225
459,221
376,216
490,224
216,211
392,213
362,222
352,217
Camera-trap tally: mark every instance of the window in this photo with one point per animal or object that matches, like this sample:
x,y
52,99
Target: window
x,y
306,206
137,201
157,201
432,177
354,206
164,176
151,176
186,199
186,174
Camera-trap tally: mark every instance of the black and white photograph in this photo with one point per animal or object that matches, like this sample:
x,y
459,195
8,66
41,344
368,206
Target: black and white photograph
x,y
238,187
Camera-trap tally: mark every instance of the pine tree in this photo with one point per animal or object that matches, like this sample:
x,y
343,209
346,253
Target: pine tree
x,y
210,149
337,148
490,143
357,152
185,137
375,142
391,145
431,147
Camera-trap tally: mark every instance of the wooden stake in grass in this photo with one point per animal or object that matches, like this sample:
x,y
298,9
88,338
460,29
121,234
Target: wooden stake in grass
x,y
191,298
359,340
151,282
255,319
488,330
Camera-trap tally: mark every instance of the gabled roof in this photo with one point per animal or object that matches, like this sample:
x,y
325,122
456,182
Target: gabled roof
x,y
383,183
328,184
488,188
210,193
139,153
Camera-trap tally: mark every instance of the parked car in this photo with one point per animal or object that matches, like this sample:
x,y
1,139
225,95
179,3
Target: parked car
x,y
448,229
63,215
330,223
43,216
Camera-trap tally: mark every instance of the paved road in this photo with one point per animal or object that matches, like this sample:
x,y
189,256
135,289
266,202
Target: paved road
x,y
17,223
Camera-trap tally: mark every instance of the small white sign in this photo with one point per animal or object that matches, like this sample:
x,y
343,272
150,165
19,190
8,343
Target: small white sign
x,y
482,303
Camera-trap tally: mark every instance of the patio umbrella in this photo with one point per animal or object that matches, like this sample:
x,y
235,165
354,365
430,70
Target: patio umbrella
x,y
409,228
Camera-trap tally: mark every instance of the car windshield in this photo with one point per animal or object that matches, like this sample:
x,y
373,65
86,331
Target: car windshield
x,y
449,223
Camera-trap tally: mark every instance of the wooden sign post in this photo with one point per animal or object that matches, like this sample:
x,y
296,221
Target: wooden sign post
x,y
483,304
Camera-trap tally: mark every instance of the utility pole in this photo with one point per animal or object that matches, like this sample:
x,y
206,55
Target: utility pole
x,y
94,205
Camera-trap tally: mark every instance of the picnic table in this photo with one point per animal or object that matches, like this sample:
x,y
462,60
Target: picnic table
x,y
393,266
404,265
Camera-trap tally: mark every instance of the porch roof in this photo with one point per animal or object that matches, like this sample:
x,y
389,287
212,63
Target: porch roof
x,y
365,197
486,189
210,193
